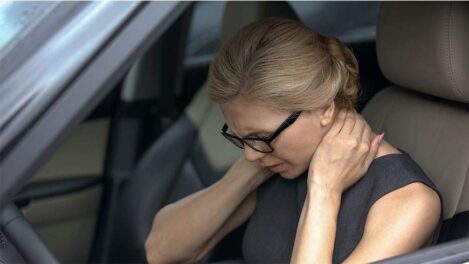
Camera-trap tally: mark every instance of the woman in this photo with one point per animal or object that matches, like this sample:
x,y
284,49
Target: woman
x,y
316,185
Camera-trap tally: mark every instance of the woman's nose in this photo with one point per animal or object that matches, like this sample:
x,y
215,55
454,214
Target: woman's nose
x,y
251,154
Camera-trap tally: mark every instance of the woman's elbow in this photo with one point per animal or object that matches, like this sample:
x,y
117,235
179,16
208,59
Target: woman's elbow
x,y
156,254
152,252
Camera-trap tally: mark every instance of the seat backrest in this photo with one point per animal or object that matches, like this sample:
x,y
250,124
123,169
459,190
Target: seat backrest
x,y
188,157
423,50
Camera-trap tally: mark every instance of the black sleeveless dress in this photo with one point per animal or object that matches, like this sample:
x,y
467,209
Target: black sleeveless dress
x,y
271,230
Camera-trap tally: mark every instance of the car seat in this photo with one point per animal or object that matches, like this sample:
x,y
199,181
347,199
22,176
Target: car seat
x,y
188,157
423,50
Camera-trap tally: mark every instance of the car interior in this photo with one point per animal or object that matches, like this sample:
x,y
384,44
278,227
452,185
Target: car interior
x,y
156,137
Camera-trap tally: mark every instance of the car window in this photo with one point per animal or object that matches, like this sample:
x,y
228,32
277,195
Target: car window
x,y
16,17
348,21
205,29
68,74
27,92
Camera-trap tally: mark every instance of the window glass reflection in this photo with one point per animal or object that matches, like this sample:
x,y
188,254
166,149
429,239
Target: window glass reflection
x,y
15,17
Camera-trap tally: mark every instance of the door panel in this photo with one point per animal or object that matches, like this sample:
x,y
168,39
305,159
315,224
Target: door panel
x,y
67,222
81,154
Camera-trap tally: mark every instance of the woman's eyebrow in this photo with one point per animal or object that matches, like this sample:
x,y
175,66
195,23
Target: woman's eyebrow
x,y
252,134
256,134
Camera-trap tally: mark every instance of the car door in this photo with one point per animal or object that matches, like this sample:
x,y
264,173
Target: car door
x,y
62,199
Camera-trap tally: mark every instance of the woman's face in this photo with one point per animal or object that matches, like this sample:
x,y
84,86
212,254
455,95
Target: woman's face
x,y
293,147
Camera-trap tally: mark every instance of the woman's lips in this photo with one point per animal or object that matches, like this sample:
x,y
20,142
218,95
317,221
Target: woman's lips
x,y
276,168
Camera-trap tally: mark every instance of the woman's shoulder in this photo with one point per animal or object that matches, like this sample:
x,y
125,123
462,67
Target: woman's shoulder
x,y
402,182
416,205
395,172
393,164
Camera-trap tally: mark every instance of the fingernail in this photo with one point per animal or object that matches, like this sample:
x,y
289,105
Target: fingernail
x,y
381,137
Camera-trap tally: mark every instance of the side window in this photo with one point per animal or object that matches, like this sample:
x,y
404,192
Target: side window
x,y
348,21
205,30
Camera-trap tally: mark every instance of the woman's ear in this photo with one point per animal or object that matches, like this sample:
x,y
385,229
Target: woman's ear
x,y
327,114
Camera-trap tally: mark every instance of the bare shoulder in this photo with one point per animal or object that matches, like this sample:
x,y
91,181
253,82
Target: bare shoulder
x,y
399,222
415,196
409,215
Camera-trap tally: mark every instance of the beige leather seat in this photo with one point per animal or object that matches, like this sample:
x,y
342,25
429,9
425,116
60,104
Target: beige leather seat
x,y
423,50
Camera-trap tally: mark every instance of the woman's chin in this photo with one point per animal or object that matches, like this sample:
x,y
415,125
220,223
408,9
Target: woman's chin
x,y
290,174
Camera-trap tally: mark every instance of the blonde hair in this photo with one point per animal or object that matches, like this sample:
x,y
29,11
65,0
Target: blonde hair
x,y
283,63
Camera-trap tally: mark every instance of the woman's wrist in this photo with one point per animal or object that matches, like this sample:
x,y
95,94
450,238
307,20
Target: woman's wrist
x,y
257,180
322,190
241,181
314,242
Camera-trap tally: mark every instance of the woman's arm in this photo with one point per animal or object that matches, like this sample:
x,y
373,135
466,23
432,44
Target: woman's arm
x,y
391,229
187,230
342,157
398,223
314,242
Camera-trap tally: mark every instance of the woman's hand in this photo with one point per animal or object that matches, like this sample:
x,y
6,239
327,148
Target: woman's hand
x,y
344,154
252,171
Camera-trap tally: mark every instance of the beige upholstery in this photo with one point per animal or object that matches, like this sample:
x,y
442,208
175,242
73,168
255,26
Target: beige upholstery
x,y
424,47
205,114
67,223
435,135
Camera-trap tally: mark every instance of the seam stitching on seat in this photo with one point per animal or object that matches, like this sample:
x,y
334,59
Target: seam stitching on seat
x,y
450,52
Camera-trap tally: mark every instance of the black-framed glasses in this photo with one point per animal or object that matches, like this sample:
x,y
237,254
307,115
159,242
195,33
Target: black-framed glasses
x,y
261,144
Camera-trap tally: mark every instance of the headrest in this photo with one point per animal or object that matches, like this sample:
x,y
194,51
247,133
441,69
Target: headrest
x,y
424,46
240,13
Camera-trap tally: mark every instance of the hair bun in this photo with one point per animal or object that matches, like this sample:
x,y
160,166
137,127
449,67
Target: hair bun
x,y
347,95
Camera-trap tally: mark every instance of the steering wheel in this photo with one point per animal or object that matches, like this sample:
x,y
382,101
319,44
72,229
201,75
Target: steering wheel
x,y
28,247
